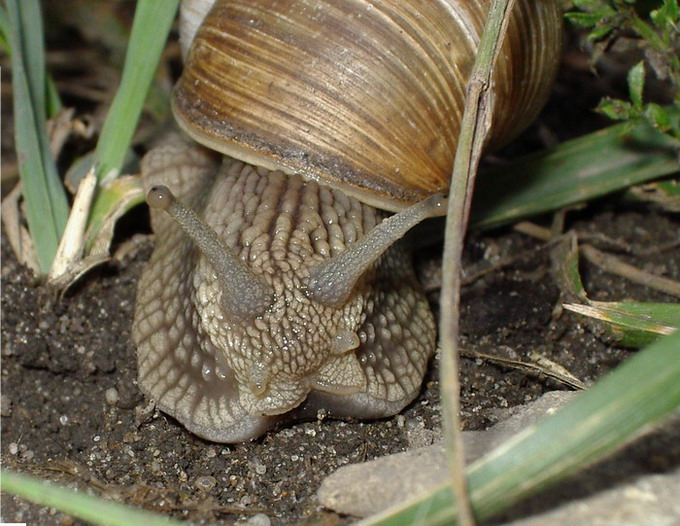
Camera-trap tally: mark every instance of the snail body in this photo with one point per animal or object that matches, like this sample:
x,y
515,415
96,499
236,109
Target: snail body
x,y
284,292
228,377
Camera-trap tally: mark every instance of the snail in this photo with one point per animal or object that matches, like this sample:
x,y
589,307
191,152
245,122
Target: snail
x,y
277,287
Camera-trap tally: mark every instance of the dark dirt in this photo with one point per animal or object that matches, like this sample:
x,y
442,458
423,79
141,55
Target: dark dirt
x,y
62,359
72,412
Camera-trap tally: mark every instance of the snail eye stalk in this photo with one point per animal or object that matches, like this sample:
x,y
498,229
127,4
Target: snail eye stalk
x,y
244,294
332,281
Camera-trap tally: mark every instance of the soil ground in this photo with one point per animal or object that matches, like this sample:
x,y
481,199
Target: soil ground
x,y
62,359
72,411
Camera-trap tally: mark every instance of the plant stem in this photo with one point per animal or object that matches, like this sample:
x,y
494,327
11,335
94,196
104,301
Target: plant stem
x,y
474,130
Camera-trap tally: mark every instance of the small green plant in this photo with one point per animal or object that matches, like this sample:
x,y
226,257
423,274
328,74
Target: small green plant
x,y
51,224
659,117
657,34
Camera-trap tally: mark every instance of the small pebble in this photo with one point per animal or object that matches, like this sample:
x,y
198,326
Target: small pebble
x,y
13,448
5,406
112,397
205,483
414,423
259,520
63,420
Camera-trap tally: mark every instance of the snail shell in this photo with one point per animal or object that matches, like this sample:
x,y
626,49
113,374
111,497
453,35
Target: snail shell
x,y
283,292
366,96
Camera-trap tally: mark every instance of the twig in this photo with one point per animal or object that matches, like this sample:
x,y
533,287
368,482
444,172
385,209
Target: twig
x,y
475,126
614,265
533,230
540,365
19,238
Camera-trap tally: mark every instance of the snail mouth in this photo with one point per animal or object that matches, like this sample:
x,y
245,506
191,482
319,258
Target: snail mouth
x,y
275,399
340,376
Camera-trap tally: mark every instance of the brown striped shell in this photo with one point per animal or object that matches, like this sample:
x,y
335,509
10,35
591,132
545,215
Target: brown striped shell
x,y
363,95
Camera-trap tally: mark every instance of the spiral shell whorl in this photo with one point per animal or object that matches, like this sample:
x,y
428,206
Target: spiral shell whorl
x,y
363,95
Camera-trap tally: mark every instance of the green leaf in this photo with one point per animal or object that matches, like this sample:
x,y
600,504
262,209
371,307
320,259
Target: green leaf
x,y
44,196
599,33
573,172
636,83
658,117
616,109
583,19
600,7
96,510
587,5
595,14
630,323
672,10
666,15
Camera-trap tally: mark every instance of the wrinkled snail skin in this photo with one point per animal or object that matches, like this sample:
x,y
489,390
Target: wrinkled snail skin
x,y
274,289
228,380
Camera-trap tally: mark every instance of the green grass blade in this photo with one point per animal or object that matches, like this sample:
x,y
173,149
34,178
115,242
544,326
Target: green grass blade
x,y
594,425
4,31
54,104
601,420
632,324
44,195
150,28
94,509
648,313
575,171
